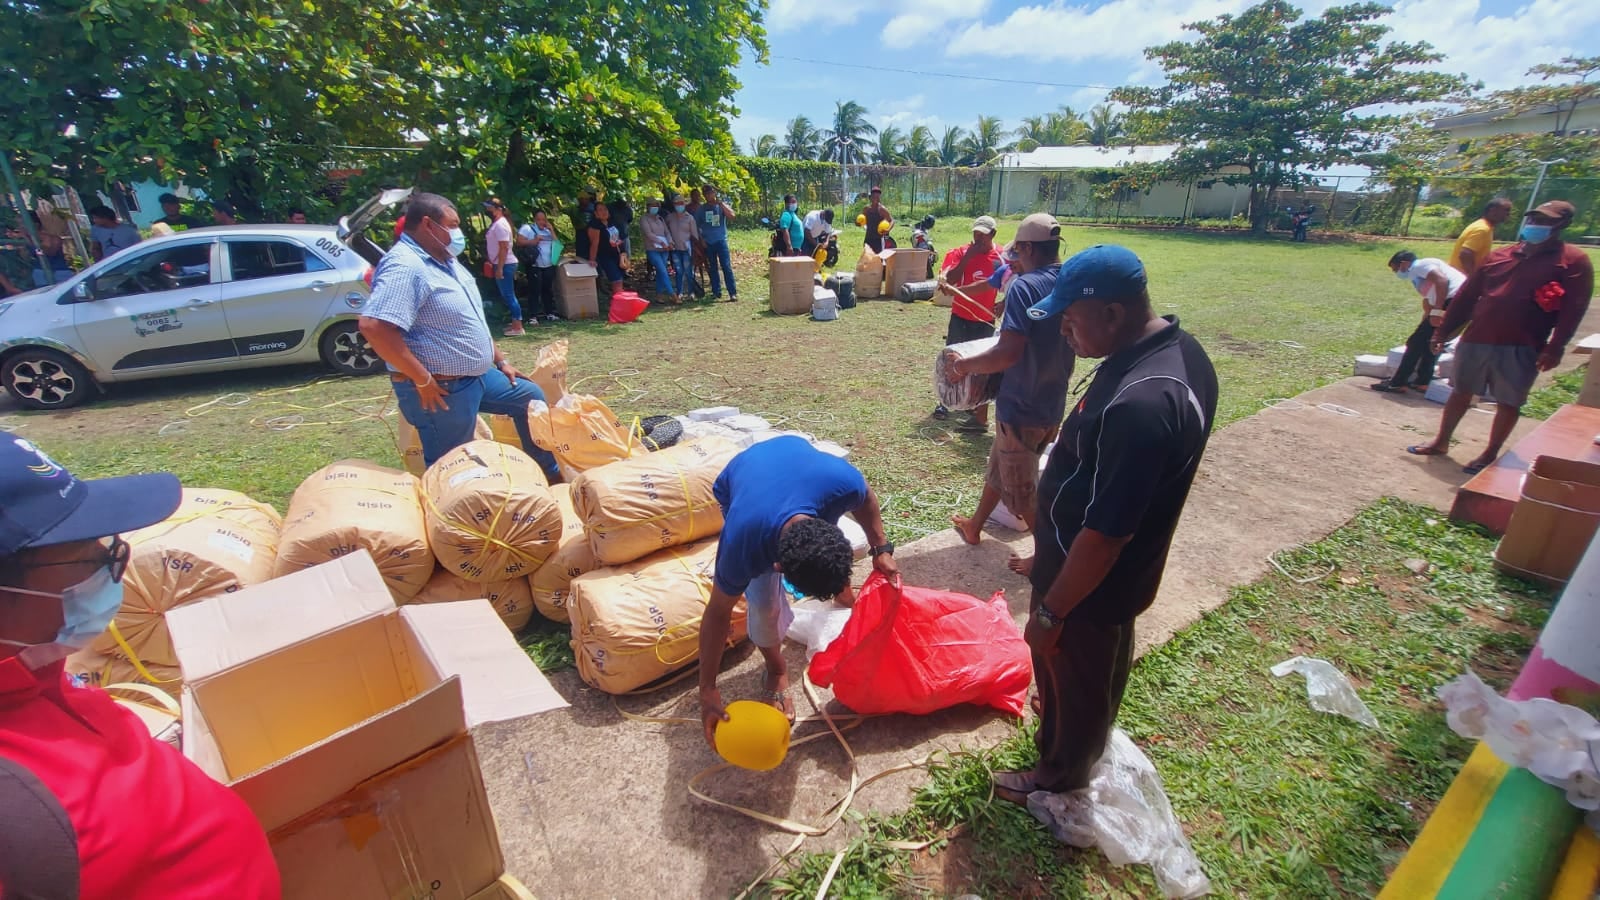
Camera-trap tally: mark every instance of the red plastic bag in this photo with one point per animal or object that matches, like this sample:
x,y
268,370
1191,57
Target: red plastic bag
x,y
625,307
917,650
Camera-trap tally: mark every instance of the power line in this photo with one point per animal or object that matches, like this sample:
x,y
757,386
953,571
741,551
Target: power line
x,y
842,65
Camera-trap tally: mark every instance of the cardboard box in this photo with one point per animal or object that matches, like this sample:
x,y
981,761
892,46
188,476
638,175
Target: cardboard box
x,y
791,280
1553,521
343,723
902,265
576,297
1396,354
1374,366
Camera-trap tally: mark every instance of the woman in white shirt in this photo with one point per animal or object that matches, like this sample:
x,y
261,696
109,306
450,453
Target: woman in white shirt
x,y
502,264
538,240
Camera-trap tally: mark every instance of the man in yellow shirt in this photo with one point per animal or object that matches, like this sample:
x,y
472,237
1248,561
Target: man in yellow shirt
x,y
1477,239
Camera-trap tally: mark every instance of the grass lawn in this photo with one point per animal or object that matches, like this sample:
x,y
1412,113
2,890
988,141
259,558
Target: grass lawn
x,y
1278,800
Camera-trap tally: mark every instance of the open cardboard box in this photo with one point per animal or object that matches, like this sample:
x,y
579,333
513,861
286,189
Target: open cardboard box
x,y
343,722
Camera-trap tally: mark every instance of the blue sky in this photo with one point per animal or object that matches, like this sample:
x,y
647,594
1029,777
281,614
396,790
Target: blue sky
x,y
1060,49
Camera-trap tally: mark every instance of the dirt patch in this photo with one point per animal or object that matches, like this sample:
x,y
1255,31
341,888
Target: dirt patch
x,y
1229,344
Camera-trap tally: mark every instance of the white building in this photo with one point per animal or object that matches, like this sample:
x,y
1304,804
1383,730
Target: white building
x,y
1469,126
1060,180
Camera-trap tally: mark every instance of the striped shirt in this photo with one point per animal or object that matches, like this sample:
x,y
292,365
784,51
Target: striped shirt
x,y
438,307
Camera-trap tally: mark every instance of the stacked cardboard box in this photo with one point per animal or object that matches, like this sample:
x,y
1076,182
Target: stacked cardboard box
x,y
575,291
791,278
343,723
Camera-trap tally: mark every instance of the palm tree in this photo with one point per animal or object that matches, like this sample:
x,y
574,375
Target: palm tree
x,y
986,140
1106,127
1066,127
800,141
1033,133
764,146
919,147
848,140
891,146
952,147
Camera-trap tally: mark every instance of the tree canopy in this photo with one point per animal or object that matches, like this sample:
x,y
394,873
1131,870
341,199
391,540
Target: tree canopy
x,y
1261,97
1563,86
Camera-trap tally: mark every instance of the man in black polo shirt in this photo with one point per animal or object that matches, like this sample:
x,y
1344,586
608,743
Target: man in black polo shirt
x,y
1109,501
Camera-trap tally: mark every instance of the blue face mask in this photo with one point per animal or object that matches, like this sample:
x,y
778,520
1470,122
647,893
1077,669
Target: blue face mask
x,y
679,207
87,609
654,210
1534,234
458,242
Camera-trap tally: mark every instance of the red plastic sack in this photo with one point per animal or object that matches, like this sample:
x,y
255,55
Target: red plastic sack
x,y
625,307
917,650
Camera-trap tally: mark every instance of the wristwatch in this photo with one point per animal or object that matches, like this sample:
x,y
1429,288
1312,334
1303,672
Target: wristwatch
x,y
886,547
1045,617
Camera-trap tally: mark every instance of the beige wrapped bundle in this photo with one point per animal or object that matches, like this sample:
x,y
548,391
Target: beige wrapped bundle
x,y
582,432
409,444
869,275
215,542
552,584
511,599
636,623
489,512
550,370
358,505
101,669
971,391
635,507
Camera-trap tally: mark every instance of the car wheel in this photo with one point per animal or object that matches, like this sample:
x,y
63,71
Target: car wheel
x,y
345,349
45,379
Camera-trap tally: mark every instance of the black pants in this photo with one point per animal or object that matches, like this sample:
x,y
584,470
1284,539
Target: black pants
x,y
1081,681
1419,358
542,290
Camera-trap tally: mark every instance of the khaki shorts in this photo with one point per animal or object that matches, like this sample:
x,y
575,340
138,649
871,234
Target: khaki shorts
x,y
1014,465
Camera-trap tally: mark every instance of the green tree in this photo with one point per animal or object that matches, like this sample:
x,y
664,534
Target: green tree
x,y
1106,126
766,146
986,140
801,140
1260,97
1505,154
849,141
953,146
919,149
891,147
1061,128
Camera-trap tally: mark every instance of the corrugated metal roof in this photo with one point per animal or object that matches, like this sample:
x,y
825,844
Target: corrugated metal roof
x,y
1088,157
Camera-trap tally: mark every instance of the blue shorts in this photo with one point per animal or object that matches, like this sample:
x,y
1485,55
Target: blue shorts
x,y
769,612
610,269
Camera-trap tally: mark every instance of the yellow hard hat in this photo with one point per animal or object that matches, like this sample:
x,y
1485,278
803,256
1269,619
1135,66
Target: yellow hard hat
x,y
862,220
883,227
755,736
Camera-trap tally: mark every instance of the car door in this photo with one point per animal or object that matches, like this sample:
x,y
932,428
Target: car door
x,y
276,293
155,308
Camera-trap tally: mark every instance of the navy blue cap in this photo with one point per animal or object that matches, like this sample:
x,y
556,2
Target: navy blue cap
x,y
41,504
1102,272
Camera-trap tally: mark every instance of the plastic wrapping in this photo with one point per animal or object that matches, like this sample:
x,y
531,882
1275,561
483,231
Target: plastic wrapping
x,y
582,432
912,291
817,623
490,515
917,650
972,391
1329,690
1125,812
1554,741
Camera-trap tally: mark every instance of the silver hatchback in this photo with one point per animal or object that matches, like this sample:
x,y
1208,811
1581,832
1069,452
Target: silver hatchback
x,y
202,300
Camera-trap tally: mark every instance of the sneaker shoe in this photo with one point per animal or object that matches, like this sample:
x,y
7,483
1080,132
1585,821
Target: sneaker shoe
x,y
732,298
551,317
941,412
515,330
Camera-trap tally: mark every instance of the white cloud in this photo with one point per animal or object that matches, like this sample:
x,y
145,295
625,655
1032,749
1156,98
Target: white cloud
x,y
788,15
1499,50
900,112
917,20
1058,32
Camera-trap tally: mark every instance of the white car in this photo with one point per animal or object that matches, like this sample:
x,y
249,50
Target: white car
x,y
202,300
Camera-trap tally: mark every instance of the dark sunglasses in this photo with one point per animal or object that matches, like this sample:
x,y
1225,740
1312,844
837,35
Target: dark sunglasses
x,y
116,556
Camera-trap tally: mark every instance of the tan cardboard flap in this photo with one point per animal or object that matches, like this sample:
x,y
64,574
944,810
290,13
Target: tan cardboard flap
x,y
320,773
1568,482
197,743
422,829
467,639
211,635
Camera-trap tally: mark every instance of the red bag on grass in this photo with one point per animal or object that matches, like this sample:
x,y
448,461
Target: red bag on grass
x,y
917,650
625,307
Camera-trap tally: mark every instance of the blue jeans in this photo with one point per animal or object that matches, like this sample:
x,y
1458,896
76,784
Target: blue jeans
x,y
680,262
507,283
717,255
658,261
444,430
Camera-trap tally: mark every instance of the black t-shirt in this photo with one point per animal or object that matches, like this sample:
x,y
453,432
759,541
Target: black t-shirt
x,y
1123,466
874,216
180,222
606,251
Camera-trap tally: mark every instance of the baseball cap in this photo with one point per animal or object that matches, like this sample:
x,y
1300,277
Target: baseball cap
x,y
1102,272
875,190
1038,227
984,224
1556,209
167,198
42,504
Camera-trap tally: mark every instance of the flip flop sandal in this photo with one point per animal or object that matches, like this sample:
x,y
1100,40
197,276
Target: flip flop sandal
x,y
1424,450
781,700
1473,468
1013,787
1387,388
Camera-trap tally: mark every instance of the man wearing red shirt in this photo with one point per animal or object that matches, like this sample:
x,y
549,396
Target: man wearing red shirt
x,y
1520,308
964,276
93,806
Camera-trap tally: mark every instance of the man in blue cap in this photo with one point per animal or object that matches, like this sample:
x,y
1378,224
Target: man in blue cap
x,y
1109,501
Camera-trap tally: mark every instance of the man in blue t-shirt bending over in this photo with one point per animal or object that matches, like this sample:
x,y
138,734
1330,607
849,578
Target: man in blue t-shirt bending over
x,y
780,500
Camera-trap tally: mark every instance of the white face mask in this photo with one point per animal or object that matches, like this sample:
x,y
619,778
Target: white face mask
x,y
87,609
458,242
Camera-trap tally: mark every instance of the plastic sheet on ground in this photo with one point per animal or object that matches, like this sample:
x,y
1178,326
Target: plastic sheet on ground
x,y
1554,741
1329,690
1125,812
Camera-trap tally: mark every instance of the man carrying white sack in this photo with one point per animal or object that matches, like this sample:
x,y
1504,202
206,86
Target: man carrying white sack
x,y
425,320
780,499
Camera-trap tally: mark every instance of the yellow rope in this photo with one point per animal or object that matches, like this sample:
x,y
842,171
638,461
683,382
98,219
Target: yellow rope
x,y
133,657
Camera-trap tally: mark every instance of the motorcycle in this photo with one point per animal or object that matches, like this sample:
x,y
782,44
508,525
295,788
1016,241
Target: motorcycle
x,y
1299,220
